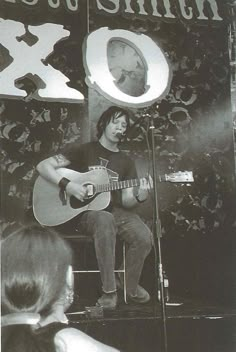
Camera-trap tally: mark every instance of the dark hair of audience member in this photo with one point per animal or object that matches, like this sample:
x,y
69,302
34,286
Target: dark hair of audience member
x,y
34,263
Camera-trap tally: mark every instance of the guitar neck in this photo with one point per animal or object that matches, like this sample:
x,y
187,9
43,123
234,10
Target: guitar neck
x,y
116,185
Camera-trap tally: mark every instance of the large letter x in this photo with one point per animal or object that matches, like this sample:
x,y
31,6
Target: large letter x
x,y
29,60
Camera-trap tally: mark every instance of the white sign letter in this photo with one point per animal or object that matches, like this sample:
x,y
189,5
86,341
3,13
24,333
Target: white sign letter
x,y
28,60
98,75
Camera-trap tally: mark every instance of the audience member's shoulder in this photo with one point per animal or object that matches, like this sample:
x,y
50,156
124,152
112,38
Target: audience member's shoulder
x,y
74,340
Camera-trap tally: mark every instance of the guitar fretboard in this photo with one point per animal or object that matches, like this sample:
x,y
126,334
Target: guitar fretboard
x,y
115,185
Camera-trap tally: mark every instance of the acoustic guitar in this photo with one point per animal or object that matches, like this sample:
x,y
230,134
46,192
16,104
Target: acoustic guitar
x,y
50,210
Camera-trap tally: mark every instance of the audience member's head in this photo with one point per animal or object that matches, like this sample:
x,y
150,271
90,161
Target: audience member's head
x,y
36,285
35,270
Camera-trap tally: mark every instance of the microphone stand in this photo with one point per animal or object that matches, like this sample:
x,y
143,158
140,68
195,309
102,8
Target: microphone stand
x,y
157,239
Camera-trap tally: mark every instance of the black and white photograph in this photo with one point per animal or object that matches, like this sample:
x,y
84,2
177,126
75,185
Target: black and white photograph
x,y
118,175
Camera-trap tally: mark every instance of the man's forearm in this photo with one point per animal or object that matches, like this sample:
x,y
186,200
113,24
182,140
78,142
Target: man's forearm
x,y
48,168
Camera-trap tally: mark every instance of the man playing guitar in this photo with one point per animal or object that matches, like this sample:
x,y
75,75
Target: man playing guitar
x,y
116,219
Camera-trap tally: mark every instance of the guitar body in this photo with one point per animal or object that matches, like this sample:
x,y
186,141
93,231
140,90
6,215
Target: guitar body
x,y
49,209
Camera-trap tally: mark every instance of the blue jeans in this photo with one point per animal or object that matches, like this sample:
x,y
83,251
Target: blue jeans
x,y
104,227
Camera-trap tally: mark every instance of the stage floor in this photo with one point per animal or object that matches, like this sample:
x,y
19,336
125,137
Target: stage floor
x,y
176,308
191,326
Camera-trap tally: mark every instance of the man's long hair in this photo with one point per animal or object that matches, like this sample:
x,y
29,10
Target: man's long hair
x,y
113,112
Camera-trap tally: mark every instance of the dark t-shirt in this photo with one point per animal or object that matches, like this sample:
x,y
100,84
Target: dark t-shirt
x,y
88,156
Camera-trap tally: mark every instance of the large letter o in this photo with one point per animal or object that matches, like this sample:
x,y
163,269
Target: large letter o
x,y
98,75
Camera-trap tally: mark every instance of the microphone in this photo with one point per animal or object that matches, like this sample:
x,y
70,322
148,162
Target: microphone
x,y
120,135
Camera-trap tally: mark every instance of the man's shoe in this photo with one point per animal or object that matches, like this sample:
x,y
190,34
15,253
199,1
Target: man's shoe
x,y
142,296
108,301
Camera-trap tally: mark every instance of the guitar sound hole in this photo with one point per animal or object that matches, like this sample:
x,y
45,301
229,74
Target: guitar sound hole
x,y
76,203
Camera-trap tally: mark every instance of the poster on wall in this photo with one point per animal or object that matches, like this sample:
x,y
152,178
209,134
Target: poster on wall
x,y
62,63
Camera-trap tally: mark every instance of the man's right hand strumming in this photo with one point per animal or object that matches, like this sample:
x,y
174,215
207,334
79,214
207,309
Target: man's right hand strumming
x,y
76,190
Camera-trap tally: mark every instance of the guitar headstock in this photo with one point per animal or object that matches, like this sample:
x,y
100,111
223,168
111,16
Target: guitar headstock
x,y
180,176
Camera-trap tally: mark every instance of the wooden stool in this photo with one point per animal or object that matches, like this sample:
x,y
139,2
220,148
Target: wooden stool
x,y
76,236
